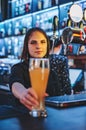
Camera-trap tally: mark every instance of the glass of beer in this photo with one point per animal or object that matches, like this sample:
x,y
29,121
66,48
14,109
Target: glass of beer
x,y
39,72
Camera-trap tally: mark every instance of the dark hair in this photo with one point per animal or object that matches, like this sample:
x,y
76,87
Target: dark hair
x,y
25,54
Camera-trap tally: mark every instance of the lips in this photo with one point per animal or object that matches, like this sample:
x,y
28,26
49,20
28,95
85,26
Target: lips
x,y
39,52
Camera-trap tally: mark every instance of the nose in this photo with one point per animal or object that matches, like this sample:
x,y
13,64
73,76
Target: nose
x,y
38,45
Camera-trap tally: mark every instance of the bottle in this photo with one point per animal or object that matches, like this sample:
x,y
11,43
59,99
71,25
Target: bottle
x,y
40,4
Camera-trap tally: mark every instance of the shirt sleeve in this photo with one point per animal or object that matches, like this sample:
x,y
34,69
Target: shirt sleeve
x,y
65,76
16,75
59,80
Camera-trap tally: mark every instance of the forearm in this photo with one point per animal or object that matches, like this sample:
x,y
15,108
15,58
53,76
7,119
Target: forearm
x,y
18,89
27,97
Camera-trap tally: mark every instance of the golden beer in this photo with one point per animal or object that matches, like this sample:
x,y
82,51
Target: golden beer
x,y
39,78
39,73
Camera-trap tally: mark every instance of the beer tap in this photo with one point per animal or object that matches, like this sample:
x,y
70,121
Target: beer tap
x,y
66,37
54,36
69,35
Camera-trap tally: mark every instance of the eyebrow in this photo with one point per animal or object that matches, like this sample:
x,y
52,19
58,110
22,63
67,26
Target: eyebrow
x,y
43,40
35,41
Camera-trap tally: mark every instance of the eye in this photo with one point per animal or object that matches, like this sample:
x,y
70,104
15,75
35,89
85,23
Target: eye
x,y
33,42
43,41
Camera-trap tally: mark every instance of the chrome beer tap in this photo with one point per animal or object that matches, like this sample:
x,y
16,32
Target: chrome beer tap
x,y
54,36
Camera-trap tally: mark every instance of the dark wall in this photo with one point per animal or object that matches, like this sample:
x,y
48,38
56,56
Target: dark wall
x,y
4,8
66,1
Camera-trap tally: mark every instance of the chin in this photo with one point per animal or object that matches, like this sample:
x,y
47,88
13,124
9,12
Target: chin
x,y
39,56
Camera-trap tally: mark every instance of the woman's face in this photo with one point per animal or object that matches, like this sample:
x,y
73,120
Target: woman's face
x,y
37,45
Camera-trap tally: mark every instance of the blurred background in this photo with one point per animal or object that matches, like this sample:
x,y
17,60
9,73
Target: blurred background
x,y
17,16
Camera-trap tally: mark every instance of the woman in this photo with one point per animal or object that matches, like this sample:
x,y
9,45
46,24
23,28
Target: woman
x,y
36,44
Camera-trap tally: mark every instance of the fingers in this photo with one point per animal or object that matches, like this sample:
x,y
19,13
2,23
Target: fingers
x,y
46,95
26,104
32,93
29,99
29,107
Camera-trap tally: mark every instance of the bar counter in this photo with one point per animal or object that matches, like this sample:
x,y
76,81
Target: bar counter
x,y
73,118
57,119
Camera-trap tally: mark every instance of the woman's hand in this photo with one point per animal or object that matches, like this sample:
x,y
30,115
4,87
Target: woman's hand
x,y
29,98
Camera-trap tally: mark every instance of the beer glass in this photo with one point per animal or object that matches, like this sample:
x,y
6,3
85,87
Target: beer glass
x,y
39,73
